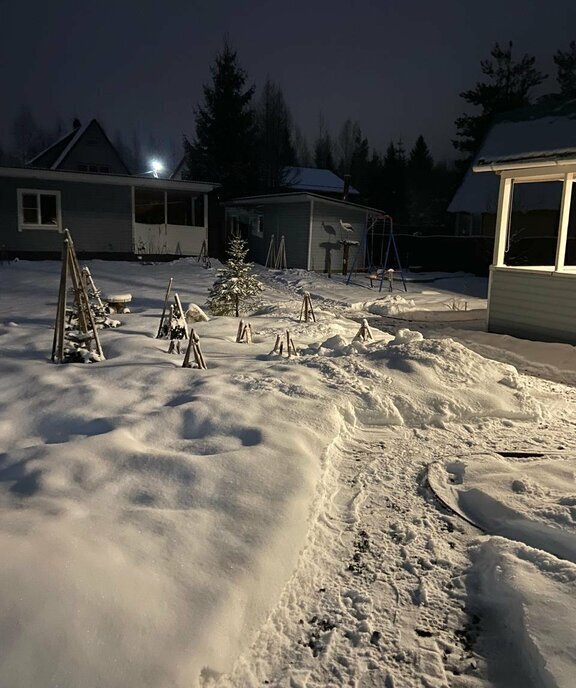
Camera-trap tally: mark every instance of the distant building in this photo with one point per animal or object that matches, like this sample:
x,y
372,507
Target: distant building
x,y
315,180
80,182
316,228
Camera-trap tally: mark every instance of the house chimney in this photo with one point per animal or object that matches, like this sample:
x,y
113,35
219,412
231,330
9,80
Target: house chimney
x,y
76,124
346,187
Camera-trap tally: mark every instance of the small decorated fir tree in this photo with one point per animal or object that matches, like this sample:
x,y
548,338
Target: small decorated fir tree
x,y
235,287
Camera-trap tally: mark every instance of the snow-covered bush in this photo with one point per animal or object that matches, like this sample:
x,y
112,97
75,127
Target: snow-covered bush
x,y
235,288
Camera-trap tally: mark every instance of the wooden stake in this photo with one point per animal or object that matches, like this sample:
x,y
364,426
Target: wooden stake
x,y
306,310
280,263
60,323
181,315
244,333
271,255
277,345
364,332
194,347
168,290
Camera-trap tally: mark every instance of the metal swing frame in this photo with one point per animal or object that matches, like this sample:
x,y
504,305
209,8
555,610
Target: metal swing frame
x,y
367,250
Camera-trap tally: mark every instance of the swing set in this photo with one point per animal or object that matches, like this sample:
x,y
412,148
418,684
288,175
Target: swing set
x,y
377,250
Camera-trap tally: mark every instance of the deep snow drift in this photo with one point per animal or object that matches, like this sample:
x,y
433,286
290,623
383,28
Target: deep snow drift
x,y
158,522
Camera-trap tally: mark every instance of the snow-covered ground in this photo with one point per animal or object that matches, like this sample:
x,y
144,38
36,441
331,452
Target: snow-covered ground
x,y
393,513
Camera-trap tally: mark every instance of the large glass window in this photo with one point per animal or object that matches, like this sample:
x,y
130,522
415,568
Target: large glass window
x,y
39,209
533,228
149,206
179,208
154,207
199,211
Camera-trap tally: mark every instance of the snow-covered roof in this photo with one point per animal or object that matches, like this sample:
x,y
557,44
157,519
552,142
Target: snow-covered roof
x,y
314,179
538,133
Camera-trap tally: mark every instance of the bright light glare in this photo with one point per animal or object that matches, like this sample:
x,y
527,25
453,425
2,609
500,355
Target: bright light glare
x,y
156,166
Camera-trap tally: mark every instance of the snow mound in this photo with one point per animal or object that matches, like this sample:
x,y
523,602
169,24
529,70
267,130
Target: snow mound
x,y
405,336
535,594
390,305
195,314
414,381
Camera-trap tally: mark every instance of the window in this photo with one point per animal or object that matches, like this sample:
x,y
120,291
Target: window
x,y
39,209
257,224
104,169
199,211
149,206
179,208
82,168
155,207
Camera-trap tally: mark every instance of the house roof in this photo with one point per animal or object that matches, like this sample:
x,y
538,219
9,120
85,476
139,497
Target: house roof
x,y
54,156
297,197
539,134
108,179
314,179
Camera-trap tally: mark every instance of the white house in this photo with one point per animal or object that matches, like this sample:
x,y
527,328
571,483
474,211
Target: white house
x,y
535,301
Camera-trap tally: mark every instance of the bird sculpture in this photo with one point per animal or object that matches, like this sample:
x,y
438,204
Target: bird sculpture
x,y
346,226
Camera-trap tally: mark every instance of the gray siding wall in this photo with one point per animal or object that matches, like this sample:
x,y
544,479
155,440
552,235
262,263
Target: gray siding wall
x,y
326,232
98,216
289,219
533,306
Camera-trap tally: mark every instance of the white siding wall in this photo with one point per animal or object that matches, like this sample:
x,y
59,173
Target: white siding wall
x,y
326,232
533,305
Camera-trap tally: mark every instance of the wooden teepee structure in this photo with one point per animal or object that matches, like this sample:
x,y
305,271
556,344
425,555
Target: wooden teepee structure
x,y
75,331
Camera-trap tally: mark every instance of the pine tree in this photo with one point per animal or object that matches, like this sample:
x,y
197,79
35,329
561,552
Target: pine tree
x,y
565,62
275,144
235,287
302,151
507,87
225,143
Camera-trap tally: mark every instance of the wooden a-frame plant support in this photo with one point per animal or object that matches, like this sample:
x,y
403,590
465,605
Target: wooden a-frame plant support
x,y
244,333
281,263
306,311
279,346
271,255
70,345
203,255
163,316
194,349
364,333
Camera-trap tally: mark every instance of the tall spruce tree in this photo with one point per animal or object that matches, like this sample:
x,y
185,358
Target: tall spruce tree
x,y
394,182
235,288
420,171
507,87
565,61
301,149
275,143
224,149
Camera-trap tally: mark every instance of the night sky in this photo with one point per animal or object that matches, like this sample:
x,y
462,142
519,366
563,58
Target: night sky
x,y
397,67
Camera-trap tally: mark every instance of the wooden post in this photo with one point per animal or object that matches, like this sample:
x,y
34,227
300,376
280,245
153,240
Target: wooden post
x,y
194,347
564,219
180,315
60,323
168,290
306,309
364,333
503,220
271,255
281,255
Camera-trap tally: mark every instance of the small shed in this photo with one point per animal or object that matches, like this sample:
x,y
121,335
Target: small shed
x,y
315,228
528,299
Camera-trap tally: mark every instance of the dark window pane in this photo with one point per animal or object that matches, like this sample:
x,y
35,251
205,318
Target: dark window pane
x,y
30,208
179,208
93,168
533,229
104,169
199,211
48,210
149,206
82,168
